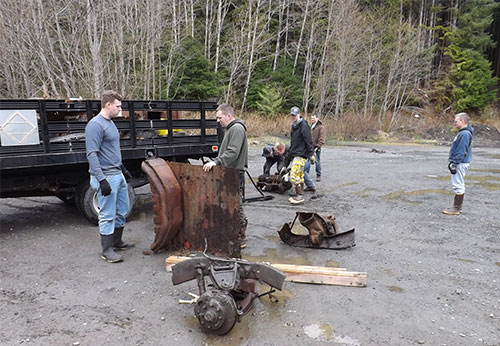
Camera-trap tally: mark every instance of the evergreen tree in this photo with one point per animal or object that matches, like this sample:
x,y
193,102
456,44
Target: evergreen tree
x,y
470,75
195,79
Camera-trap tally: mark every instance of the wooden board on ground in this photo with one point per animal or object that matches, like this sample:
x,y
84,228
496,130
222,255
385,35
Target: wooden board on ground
x,y
307,274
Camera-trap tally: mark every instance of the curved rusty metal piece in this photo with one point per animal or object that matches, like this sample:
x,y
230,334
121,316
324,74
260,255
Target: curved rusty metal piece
x,y
323,232
167,201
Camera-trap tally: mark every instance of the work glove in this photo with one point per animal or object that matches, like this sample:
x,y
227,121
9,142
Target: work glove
x,y
316,149
312,159
126,173
283,171
452,167
105,187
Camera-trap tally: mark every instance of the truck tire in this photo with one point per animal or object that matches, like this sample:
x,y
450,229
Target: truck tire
x,y
86,201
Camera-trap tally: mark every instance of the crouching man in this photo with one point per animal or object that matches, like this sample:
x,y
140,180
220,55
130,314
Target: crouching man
x,y
108,175
274,153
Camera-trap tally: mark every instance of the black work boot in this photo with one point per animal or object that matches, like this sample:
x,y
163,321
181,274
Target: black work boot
x,y
118,243
457,206
242,236
108,254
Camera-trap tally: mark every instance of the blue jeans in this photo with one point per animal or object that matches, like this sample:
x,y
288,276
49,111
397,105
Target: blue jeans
x,y
307,178
317,155
115,206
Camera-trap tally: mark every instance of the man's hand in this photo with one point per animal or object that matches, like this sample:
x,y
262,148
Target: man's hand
x,y
126,174
312,159
208,166
452,167
283,171
316,149
105,187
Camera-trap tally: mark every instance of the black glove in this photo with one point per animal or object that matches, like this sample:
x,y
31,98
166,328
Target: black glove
x,y
126,173
105,187
452,167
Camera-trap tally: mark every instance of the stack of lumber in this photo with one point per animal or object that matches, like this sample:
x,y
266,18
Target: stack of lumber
x,y
307,274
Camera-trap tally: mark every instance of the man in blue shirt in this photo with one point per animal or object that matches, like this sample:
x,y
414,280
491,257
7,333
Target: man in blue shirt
x,y
107,175
459,160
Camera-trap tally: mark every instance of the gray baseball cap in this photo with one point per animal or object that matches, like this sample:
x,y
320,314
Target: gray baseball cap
x,y
295,110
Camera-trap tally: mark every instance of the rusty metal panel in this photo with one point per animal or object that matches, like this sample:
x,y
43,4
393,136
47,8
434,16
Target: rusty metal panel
x,y
211,209
167,201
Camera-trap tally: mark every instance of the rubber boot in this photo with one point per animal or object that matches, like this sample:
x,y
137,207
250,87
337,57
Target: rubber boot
x,y
242,236
118,243
108,254
457,206
298,199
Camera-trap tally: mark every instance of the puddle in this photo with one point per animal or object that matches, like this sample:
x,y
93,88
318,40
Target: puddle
x,y
389,271
400,194
347,184
364,192
236,337
273,238
395,289
325,332
493,156
277,301
490,186
481,178
439,177
332,264
487,170
272,256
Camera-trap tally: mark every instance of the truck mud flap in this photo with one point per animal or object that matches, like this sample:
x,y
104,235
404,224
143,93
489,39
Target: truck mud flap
x,y
323,233
167,201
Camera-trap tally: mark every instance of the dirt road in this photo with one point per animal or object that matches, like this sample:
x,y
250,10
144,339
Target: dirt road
x,y
432,279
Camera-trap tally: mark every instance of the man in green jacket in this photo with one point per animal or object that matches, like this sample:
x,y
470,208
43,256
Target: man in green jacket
x,y
233,153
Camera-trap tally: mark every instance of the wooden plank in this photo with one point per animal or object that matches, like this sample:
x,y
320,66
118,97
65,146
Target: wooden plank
x,y
360,281
306,274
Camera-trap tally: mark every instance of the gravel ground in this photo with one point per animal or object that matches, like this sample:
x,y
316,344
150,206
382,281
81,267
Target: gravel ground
x,y
432,279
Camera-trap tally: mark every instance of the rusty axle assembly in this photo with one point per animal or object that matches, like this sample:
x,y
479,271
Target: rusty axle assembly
x,y
233,291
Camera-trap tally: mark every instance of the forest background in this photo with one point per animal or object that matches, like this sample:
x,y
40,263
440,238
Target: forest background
x,y
365,66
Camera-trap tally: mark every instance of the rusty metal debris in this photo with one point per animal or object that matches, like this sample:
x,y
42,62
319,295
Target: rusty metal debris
x,y
274,183
233,291
323,232
167,201
191,205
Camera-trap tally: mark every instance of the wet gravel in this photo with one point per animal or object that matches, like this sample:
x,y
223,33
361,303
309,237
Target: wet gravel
x,y
432,279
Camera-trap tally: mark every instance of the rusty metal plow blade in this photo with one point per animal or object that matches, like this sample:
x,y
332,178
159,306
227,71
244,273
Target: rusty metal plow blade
x,y
167,201
323,233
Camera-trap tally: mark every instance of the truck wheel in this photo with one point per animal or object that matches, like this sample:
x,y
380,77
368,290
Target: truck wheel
x,y
87,203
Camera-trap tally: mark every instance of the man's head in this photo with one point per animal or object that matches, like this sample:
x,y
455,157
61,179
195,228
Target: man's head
x,y
314,118
461,120
295,113
279,148
224,114
111,104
